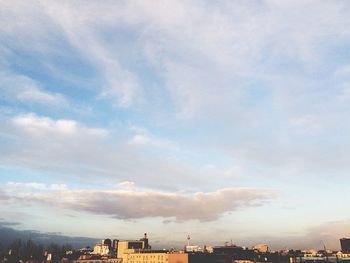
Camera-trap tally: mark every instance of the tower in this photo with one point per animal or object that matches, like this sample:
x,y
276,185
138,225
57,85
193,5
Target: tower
x,y
145,242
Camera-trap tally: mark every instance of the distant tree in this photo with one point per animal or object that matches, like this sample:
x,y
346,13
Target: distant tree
x,y
54,249
68,247
31,251
1,252
40,252
14,248
27,250
57,251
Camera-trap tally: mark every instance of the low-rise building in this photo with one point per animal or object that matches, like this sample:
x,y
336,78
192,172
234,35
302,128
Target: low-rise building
x,y
101,249
261,248
154,257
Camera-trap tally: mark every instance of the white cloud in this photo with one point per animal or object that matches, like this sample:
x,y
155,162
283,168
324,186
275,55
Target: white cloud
x,y
234,171
39,96
147,140
207,57
343,71
3,195
67,147
204,53
80,31
132,204
248,82
16,186
143,137
140,139
19,88
306,124
42,126
127,185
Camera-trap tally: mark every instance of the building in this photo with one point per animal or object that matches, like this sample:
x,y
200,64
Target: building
x,y
97,260
107,242
130,246
261,248
345,245
139,251
154,257
101,249
193,248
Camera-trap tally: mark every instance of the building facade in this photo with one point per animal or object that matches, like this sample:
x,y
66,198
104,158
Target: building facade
x,y
155,257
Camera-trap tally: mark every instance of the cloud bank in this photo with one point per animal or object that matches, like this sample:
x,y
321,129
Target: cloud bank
x,y
136,204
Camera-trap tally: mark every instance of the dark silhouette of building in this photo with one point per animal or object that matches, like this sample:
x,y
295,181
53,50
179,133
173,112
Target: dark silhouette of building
x,y
145,242
115,246
345,245
107,242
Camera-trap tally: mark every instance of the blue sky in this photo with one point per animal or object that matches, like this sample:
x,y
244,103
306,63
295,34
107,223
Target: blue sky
x,y
226,120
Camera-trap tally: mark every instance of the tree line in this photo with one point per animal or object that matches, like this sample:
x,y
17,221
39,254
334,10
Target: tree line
x,y
29,251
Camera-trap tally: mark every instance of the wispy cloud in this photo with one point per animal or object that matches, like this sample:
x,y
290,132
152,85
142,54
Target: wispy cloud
x,y
16,186
3,195
19,88
205,59
120,82
127,185
145,139
306,124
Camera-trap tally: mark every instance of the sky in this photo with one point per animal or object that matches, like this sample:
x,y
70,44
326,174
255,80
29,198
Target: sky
x,y
225,120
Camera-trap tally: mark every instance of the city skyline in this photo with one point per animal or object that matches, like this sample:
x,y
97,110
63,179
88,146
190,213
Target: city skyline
x,y
223,120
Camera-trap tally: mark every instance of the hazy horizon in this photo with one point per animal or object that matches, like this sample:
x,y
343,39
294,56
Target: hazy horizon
x,y
9,233
223,120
